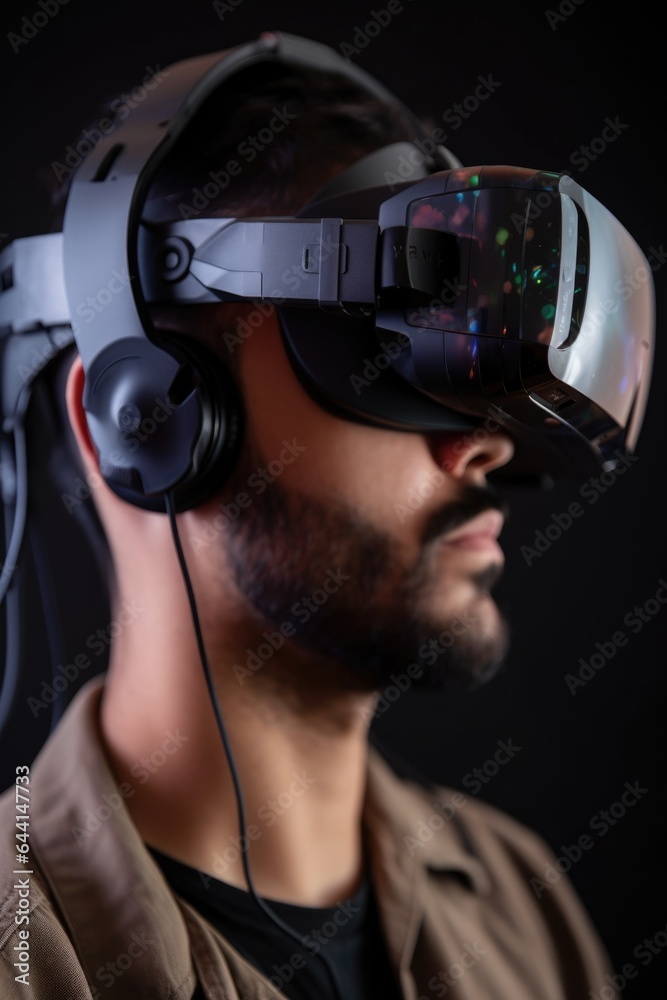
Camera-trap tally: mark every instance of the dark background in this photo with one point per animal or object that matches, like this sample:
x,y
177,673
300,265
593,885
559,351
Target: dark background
x,y
559,81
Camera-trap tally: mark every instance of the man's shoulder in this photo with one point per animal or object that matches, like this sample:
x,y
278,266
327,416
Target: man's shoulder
x,y
31,930
33,926
23,886
486,822
437,805
450,827
15,851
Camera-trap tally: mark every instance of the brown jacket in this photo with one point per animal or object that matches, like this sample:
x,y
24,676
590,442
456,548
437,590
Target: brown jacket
x,y
92,916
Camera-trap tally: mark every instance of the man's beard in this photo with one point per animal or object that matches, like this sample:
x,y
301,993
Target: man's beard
x,y
341,592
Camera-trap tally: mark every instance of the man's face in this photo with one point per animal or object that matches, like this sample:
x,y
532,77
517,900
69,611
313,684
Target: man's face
x,y
358,543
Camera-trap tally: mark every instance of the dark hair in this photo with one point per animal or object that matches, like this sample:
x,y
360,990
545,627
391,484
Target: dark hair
x,y
284,137
324,123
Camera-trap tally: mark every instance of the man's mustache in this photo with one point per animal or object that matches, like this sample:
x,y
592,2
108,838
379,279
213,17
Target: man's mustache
x,y
472,500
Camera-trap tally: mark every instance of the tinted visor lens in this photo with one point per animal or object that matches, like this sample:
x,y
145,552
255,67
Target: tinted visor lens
x,y
506,283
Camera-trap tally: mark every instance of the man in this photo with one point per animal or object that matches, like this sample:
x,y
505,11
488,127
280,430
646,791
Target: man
x,y
298,863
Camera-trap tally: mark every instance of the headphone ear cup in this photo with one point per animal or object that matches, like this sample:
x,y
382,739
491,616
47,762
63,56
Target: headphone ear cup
x,y
164,418
217,448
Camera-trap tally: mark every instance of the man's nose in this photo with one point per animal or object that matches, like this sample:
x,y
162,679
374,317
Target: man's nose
x,y
473,454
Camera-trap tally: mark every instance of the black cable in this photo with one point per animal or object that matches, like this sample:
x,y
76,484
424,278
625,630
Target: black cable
x,y
21,494
13,641
15,494
240,803
54,454
54,632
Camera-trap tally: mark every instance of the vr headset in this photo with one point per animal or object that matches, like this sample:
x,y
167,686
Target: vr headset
x,y
412,293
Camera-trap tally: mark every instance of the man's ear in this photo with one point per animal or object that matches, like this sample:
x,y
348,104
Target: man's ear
x,y
76,380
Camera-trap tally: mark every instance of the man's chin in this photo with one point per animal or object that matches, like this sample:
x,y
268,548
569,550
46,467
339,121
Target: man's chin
x,y
466,653
465,670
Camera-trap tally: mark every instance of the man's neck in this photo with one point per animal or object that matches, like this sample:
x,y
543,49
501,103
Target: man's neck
x,y
301,763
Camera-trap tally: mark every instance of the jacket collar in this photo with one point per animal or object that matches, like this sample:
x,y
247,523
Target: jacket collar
x,y
412,821
409,839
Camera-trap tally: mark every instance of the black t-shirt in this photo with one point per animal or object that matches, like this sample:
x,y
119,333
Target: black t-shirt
x,y
348,935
